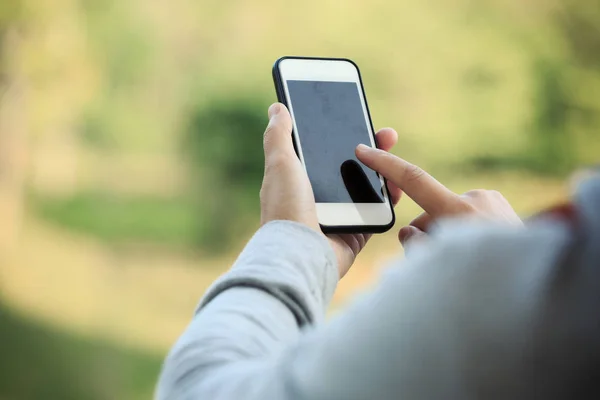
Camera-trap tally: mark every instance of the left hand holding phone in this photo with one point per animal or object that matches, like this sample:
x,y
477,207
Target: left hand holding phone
x,y
286,193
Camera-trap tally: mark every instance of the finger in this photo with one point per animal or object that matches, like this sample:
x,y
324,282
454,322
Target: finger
x,y
422,222
427,192
410,234
366,238
354,242
386,138
278,135
395,192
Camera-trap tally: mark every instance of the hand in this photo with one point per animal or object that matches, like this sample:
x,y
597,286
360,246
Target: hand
x,y
286,193
347,246
436,200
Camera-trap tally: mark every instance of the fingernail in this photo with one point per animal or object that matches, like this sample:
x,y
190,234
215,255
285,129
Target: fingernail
x,y
274,110
362,148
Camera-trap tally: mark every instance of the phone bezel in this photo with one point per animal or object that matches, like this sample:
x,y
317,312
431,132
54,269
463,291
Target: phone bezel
x,y
335,217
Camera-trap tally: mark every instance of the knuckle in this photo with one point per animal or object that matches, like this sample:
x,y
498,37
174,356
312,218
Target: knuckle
x,y
476,193
269,133
276,160
413,173
468,207
496,194
458,207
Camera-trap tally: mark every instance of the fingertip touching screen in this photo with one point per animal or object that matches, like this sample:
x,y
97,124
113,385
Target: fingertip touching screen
x,y
330,123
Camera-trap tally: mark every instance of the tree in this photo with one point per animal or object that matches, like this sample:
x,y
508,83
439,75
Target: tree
x,y
224,147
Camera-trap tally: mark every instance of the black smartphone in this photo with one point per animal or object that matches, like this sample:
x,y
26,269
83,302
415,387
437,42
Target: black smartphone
x,y
330,115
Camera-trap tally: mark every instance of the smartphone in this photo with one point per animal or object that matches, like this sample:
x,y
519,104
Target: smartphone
x,y
326,99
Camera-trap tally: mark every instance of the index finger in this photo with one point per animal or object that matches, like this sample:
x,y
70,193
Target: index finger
x,y
433,197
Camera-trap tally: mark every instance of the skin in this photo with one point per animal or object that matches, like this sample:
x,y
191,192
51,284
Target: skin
x,y
286,193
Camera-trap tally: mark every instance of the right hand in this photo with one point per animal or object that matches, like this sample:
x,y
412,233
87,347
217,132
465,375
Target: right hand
x,y
435,199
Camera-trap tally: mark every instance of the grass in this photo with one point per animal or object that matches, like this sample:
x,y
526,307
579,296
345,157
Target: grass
x,y
123,219
40,362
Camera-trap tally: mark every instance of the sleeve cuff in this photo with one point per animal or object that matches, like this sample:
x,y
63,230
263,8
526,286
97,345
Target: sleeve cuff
x,y
291,262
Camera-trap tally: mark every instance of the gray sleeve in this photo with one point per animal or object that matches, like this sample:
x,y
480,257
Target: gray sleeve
x,y
280,285
454,321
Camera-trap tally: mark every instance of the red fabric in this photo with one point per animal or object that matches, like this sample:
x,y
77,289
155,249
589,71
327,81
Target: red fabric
x,y
565,211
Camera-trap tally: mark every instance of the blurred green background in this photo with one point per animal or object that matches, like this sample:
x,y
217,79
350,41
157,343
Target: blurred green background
x,y
131,159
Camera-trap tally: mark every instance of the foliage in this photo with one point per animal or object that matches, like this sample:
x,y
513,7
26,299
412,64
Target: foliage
x,y
10,12
118,219
552,148
122,48
224,149
551,145
42,363
564,108
563,131
492,85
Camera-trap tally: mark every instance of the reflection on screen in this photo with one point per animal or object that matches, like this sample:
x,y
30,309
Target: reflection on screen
x,y
331,123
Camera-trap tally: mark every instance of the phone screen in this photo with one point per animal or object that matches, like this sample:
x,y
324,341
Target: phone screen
x,y
330,124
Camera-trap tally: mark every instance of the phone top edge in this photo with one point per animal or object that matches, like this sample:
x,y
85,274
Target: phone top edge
x,y
283,58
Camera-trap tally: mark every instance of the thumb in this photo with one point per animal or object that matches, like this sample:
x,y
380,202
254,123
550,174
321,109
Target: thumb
x,y
278,135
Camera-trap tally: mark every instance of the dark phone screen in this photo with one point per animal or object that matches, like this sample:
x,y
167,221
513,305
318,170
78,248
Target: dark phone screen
x,y
331,123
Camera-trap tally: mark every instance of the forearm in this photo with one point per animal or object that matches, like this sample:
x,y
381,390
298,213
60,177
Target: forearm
x,y
216,356
281,283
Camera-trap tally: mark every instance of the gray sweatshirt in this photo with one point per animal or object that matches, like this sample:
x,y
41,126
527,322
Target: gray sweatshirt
x,y
480,311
